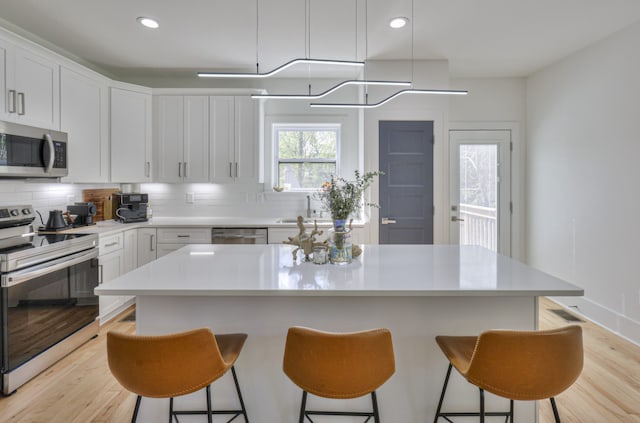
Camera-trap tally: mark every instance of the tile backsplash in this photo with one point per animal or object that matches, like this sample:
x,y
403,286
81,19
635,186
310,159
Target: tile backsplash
x,y
167,200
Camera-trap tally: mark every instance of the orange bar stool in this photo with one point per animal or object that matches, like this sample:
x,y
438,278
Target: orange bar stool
x,y
168,366
517,365
338,366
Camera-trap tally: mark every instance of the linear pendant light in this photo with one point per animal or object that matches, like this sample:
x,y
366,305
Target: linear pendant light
x,y
279,68
386,100
368,105
329,91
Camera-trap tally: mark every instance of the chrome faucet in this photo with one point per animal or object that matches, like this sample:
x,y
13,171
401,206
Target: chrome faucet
x,y
308,206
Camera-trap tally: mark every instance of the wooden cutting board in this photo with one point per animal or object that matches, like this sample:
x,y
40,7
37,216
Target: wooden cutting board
x,y
104,201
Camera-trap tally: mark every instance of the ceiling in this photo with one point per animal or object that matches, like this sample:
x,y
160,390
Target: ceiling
x,y
479,38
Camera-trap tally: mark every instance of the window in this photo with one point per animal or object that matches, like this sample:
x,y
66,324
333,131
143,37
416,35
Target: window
x,y
306,154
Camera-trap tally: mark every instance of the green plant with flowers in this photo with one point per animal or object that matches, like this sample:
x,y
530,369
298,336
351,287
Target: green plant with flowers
x,y
342,197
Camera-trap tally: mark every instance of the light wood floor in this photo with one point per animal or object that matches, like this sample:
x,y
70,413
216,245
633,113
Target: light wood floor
x,y
80,389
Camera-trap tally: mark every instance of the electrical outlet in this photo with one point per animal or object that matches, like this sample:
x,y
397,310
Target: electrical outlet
x,y
190,198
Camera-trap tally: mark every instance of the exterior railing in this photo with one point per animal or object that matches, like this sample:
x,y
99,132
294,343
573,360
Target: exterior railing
x,y
479,226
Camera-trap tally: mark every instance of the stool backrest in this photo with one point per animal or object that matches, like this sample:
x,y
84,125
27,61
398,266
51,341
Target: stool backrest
x,y
165,366
527,365
338,365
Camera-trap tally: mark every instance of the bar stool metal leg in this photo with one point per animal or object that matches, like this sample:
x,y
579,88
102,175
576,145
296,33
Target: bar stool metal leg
x,y
555,409
444,389
171,415
235,380
209,417
303,406
481,405
135,410
374,401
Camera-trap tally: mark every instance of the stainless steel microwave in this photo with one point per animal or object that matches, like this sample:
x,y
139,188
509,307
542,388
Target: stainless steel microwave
x,y
29,152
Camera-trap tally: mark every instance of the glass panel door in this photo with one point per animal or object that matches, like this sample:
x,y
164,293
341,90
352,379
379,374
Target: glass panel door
x,y
480,191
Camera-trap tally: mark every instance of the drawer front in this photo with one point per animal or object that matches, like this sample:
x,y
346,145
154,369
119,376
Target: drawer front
x,y
184,235
111,243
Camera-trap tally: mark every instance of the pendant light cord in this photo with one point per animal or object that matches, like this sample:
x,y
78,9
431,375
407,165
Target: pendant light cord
x,y
413,25
257,31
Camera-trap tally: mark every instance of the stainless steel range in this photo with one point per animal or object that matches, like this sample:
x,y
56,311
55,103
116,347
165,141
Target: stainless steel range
x,y
47,304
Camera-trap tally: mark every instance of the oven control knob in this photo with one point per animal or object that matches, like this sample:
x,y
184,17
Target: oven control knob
x,y
15,212
26,211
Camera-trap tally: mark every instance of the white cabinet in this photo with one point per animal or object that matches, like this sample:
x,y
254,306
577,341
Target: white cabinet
x,y
84,115
111,266
130,112
184,235
146,245
182,138
130,250
31,87
171,239
235,149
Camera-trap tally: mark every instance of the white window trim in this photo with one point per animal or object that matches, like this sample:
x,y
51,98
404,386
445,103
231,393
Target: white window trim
x,y
304,123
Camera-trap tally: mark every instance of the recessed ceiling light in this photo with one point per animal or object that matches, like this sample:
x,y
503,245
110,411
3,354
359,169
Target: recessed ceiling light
x,y
148,22
398,22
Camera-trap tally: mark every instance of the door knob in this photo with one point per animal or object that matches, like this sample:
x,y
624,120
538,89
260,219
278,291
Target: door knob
x,y
387,221
456,219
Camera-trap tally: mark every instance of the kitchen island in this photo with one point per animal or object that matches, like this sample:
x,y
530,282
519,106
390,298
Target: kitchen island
x,y
417,292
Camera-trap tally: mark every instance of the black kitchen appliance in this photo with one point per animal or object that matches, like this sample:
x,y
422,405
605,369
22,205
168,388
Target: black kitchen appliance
x,y
131,207
47,304
83,213
56,221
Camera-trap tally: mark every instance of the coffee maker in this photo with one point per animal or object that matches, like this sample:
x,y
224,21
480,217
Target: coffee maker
x,y
131,207
84,213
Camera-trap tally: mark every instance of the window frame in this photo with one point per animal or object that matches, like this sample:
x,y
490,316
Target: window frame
x,y
300,127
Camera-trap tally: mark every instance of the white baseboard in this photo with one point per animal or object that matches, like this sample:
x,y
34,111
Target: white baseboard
x,y
617,323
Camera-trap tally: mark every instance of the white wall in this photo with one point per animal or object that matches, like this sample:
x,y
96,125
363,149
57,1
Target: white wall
x,y
583,149
497,104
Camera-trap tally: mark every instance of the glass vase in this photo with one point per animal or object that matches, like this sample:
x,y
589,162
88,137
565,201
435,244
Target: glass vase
x,y
340,246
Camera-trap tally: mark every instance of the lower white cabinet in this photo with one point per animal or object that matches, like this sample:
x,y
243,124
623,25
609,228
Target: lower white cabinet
x,y
164,249
277,235
172,239
117,255
146,245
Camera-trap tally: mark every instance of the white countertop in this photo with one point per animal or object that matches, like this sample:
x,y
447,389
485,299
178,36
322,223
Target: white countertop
x,y
382,270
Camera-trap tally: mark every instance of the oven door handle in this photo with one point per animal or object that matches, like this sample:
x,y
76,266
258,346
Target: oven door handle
x,y
15,278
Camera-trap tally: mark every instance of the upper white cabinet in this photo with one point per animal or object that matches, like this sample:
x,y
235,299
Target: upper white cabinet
x,y
182,138
84,115
131,150
30,87
235,148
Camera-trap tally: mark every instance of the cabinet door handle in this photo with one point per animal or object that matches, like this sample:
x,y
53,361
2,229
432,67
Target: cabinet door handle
x,y
147,169
100,274
236,169
179,169
184,236
11,99
111,244
230,171
151,243
21,110
184,171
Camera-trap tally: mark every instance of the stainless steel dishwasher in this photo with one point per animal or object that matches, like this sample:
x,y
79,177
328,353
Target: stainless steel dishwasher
x,y
239,236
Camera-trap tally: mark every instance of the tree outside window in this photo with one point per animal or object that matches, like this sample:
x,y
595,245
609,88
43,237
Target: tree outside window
x,y
306,154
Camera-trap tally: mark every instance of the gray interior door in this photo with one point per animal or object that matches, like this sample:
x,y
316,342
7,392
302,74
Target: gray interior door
x,y
406,188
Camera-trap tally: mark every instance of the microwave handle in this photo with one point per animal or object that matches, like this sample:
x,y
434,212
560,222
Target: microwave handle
x,y
52,153
15,278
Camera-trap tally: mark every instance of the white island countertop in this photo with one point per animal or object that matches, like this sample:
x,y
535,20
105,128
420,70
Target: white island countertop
x,y
381,270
